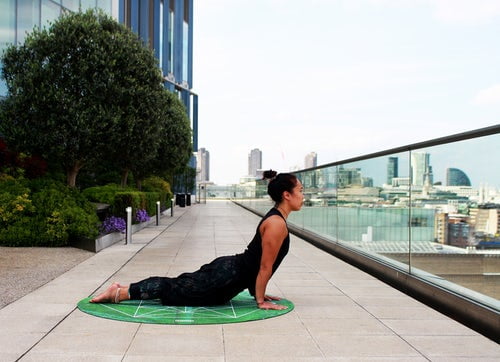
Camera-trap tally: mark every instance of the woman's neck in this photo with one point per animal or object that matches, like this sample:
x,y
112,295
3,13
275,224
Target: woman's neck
x,y
283,212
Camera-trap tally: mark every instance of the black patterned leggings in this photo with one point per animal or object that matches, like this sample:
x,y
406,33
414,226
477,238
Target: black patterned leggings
x,y
214,283
150,288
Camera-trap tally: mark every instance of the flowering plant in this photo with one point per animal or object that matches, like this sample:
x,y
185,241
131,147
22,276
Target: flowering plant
x,y
141,215
112,224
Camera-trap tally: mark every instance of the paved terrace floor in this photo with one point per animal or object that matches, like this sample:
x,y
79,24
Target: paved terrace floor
x,y
340,312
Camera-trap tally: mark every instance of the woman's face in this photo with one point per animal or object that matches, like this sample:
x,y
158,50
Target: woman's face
x,y
296,199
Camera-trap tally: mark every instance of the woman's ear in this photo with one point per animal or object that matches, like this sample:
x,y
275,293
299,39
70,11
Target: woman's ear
x,y
286,195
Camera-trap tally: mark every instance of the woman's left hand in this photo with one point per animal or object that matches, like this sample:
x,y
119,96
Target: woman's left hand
x,y
270,305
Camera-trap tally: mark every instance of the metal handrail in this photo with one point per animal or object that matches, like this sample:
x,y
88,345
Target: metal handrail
x,y
487,131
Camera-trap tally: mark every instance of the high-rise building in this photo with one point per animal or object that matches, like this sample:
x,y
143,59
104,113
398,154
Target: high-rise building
x,y
349,177
456,177
254,162
392,169
311,160
421,171
166,26
202,165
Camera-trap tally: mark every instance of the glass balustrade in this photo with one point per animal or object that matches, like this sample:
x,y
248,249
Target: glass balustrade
x,y
431,211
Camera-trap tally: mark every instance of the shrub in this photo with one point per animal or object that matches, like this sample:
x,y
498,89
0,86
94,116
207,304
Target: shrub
x,y
162,187
137,200
104,194
44,212
125,199
150,199
14,201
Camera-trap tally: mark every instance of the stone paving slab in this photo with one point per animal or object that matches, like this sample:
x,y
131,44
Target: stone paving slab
x,y
341,313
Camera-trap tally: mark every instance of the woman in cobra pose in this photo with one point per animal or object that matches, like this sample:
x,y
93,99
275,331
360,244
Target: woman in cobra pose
x,y
225,277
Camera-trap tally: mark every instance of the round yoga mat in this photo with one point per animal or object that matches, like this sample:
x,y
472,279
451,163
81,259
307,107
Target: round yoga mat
x,y
241,308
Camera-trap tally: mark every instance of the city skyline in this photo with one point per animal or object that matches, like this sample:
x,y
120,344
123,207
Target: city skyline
x,y
380,75
469,156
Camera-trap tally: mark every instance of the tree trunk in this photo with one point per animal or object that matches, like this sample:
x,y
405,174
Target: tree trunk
x,y
124,178
72,172
138,184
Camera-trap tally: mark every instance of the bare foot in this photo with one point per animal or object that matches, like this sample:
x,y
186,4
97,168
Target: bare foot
x,y
111,295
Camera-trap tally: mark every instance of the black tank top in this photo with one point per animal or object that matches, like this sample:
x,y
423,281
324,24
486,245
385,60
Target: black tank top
x,y
252,255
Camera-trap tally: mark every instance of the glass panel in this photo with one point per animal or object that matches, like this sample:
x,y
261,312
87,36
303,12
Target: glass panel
x,y
373,210
160,35
185,40
50,12
460,192
319,212
7,33
105,5
72,5
7,23
28,16
88,4
171,39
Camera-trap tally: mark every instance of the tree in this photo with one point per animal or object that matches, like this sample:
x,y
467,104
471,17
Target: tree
x,y
175,147
84,90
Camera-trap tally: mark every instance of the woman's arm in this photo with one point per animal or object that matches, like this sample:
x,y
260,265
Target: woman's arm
x,y
273,231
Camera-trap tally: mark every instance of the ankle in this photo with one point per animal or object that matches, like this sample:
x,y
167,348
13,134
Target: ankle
x,y
123,294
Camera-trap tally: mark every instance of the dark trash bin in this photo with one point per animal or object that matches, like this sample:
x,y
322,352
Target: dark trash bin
x,y
180,200
188,199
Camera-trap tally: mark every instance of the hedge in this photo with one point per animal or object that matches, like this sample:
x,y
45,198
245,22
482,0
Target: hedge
x,y
44,212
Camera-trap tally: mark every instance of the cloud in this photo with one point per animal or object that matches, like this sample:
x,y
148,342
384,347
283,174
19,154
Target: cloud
x,y
488,96
458,12
466,11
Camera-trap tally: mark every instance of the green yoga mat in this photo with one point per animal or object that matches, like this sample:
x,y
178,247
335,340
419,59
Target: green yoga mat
x,y
241,308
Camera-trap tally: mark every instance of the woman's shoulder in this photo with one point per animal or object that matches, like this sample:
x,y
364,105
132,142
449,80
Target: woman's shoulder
x,y
273,220
272,212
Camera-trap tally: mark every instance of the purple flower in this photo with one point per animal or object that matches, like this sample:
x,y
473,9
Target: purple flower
x,y
112,224
141,215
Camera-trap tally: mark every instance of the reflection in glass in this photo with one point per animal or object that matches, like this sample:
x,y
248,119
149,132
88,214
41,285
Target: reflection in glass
x,y
87,4
72,5
50,12
7,21
105,5
185,30
28,15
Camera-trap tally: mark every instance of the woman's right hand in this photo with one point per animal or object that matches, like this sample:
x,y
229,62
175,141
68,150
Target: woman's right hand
x,y
270,305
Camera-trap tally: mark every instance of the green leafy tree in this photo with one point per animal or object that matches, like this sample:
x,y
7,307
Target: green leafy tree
x,y
175,146
82,91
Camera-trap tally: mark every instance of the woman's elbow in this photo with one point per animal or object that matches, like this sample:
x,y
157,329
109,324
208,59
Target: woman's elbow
x,y
265,269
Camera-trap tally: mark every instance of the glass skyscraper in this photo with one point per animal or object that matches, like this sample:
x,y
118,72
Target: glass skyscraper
x,y
166,26
456,177
392,169
421,170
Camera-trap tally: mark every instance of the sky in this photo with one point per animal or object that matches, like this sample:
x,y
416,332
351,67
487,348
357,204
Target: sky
x,y
342,78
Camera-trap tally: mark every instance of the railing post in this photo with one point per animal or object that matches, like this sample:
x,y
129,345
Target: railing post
x,y
129,226
157,213
172,207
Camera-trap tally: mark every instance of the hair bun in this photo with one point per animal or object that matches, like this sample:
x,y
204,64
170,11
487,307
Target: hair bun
x,y
269,175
